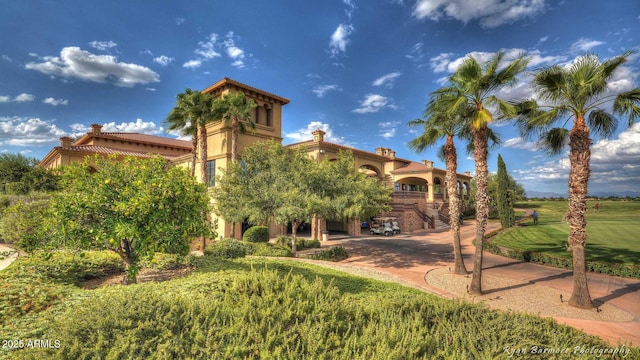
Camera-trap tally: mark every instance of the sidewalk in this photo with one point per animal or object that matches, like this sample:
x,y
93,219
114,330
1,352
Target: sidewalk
x,y
8,260
619,297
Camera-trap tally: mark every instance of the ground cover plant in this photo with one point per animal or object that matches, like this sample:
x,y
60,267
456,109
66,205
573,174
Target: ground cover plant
x,y
275,308
612,232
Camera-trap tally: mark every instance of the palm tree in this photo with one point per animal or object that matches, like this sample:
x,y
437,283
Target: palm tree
x,y
474,85
234,110
179,120
579,92
439,124
191,114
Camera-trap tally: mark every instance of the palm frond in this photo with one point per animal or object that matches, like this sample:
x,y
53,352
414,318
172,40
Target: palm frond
x,y
602,123
550,83
628,103
554,140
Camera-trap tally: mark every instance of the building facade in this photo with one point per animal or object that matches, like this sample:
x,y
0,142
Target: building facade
x,y
419,195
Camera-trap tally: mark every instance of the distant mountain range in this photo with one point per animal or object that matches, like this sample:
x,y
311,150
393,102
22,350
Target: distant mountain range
x,y
604,194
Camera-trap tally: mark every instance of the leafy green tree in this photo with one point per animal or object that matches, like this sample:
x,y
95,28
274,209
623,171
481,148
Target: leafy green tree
x,y
19,223
581,92
441,124
475,85
234,110
190,115
134,207
20,176
504,196
283,185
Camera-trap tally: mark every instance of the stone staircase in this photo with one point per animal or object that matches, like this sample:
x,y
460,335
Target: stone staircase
x,y
435,215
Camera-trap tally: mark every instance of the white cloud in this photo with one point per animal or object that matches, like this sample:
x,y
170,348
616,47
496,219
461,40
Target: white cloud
x,y
80,64
206,49
416,53
373,103
351,7
20,131
584,45
304,134
103,45
24,98
340,39
6,58
490,13
55,102
192,64
520,143
179,21
388,129
138,126
614,164
386,80
163,60
20,98
321,90
235,53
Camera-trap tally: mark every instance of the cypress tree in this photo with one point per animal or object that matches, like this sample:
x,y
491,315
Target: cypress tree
x,y
504,196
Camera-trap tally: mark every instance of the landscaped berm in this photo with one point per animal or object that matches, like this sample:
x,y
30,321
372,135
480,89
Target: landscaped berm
x,y
255,308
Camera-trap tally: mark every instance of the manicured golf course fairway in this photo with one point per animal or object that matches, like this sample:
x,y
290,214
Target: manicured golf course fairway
x,y
613,231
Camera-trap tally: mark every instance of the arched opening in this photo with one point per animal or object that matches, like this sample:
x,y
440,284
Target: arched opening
x,y
438,188
370,170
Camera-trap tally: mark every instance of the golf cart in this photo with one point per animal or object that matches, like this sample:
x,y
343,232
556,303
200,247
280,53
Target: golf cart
x,y
382,226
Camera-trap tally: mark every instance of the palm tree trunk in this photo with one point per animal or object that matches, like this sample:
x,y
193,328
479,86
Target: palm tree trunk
x,y
234,138
194,154
203,153
480,137
580,145
451,157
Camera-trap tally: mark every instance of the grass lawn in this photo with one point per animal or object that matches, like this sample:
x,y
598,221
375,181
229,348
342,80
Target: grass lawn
x,y
269,308
612,231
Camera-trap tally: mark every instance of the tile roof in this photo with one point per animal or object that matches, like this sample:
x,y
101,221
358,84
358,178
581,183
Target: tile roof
x,y
140,138
413,167
107,151
228,81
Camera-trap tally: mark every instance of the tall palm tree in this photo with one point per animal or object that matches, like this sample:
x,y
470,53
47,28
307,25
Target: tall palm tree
x,y
191,114
179,120
234,110
440,124
579,92
473,84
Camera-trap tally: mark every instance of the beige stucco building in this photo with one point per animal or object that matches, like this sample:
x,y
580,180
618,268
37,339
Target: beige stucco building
x,y
419,187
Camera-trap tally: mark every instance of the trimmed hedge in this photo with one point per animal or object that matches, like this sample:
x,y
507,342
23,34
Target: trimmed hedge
x,y
256,234
301,243
334,254
227,249
266,249
613,269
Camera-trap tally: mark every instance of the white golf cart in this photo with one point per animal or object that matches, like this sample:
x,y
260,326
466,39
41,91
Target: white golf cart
x,y
383,226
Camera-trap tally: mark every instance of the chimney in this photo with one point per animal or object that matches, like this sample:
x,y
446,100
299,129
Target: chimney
x,y
318,135
96,129
66,141
380,151
392,154
468,173
427,163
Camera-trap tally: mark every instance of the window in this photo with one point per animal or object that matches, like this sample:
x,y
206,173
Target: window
x,y
211,173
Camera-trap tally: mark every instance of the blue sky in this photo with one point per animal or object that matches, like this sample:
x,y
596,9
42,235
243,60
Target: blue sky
x,y
358,70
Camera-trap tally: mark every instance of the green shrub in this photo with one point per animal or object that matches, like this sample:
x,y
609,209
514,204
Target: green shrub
x,y
267,249
301,243
256,234
227,249
71,267
285,315
334,254
164,261
21,221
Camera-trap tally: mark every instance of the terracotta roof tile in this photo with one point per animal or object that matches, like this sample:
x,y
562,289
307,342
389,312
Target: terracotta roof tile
x,y
108,151
149,139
